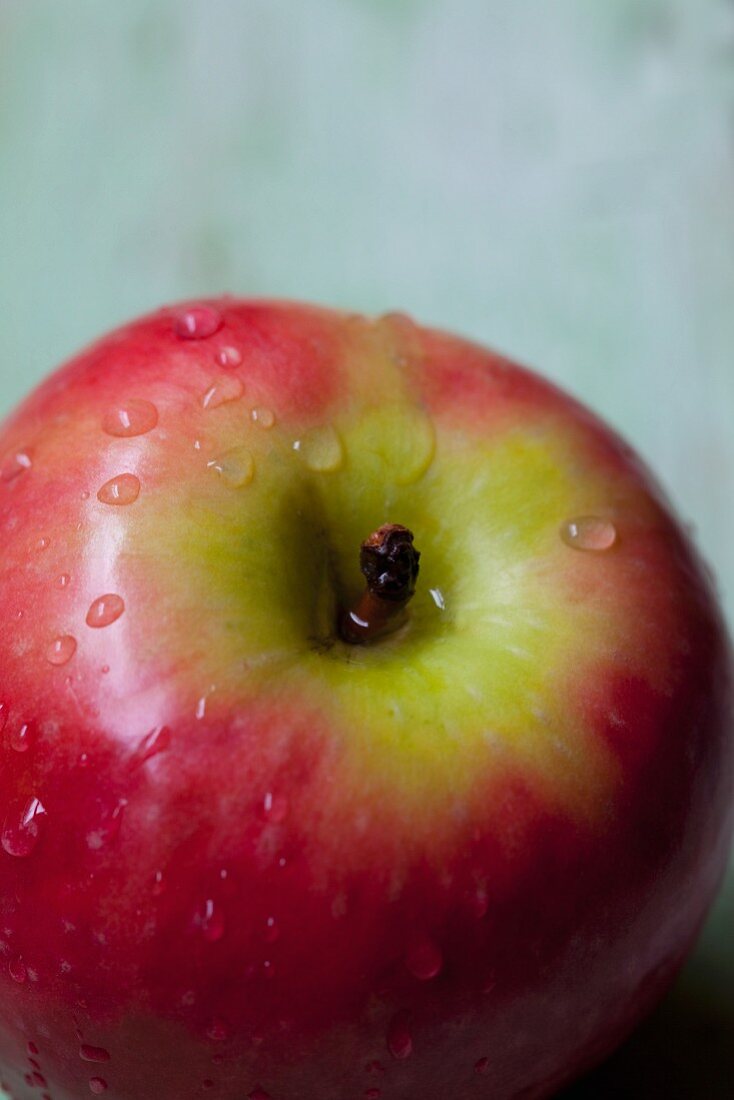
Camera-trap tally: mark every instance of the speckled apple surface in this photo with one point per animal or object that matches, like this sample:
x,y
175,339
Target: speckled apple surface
x,y
244,857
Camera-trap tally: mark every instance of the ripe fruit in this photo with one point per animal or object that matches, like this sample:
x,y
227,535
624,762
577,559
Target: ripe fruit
x,y
243,855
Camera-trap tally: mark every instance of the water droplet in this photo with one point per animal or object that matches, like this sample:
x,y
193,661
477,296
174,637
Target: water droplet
x,y
211,921
236,467
108,827
123,489
321,449
373,1093
437,597
32,1048
478,903
589,533
399,1038
207,1084
17,970
220,393
263,416
38,1079
489,983
105,610
417,448
197,322
203,701
63,581
275,808
482,1066
375,1067
22,828
88,1053
136,417
97,1085
23,737
61,650
43,543
15,464
272,931
155,741
218,1031
424,959
159,884
228,357
3,716
258,1094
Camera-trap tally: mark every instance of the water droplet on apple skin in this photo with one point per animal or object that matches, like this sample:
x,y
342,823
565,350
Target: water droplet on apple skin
x,y
22,738
218,1031
210,920
236,467
4,711
15,464
108,827
105,610
399,1037
18,971
120,491
89,1053
438,598
321,449
97,1085
197,322
61,650
228,356
481,1067
258,1094
272,931
32,1048
590,533
154,742
222,392
135,417
424,959
23,826
263,416
274,808
373,1093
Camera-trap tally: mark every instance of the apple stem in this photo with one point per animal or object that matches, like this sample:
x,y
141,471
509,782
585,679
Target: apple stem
x,y
389,563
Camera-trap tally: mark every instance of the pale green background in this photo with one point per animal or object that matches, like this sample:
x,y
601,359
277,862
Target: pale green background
x,y
553,177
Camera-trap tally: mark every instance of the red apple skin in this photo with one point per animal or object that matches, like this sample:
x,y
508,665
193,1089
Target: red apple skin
x,y
245,912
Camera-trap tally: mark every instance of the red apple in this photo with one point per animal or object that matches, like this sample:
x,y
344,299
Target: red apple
x,y
243,855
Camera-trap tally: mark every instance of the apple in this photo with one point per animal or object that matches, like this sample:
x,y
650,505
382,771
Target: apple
x,y
266,836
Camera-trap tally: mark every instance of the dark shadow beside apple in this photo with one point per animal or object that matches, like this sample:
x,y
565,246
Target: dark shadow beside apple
x,y
684,1051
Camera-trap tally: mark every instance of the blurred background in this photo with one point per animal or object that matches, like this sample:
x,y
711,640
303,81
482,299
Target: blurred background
x,y
554,179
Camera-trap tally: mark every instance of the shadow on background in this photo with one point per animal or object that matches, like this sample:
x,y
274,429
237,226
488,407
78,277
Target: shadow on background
x,y
684,1051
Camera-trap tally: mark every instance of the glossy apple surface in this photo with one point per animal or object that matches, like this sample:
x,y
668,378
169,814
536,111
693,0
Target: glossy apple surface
x,y
241,857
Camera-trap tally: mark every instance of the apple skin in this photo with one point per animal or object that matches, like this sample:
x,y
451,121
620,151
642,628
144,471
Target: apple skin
x,y
240,857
